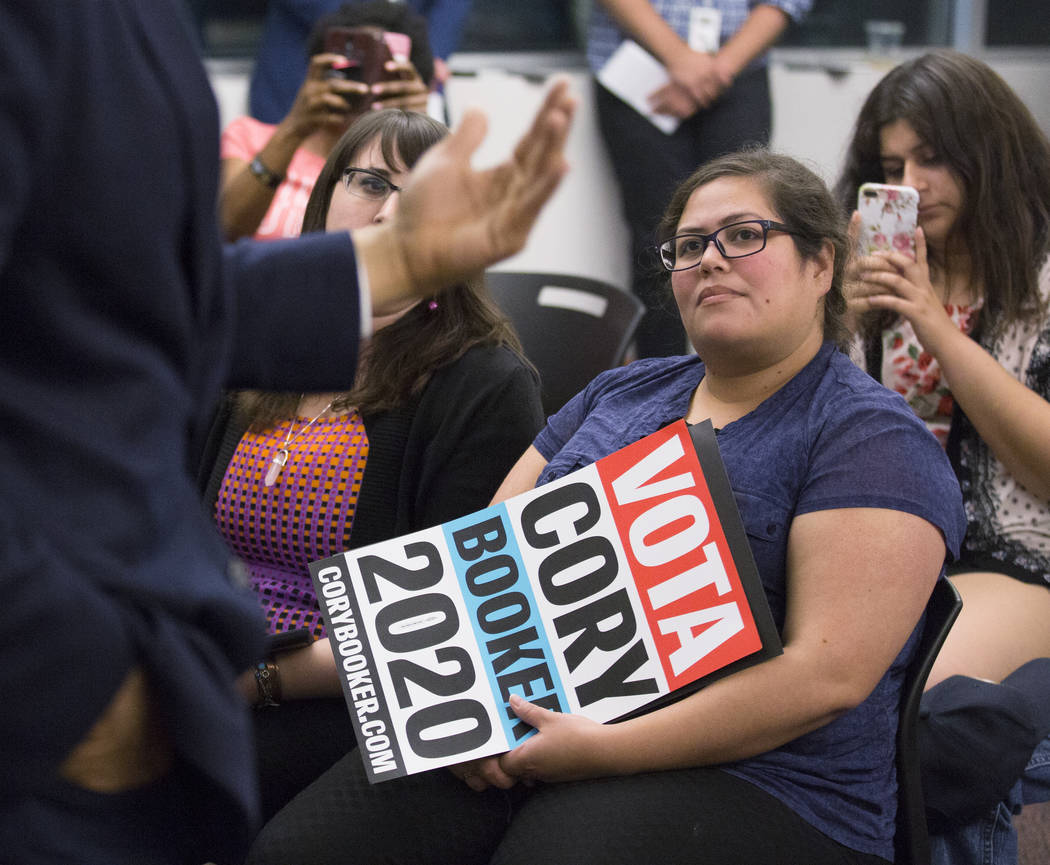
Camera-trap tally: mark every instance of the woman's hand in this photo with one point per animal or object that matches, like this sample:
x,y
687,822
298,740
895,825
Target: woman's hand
x,y
406,91
564,748
483,773
323,101
894,281
673,99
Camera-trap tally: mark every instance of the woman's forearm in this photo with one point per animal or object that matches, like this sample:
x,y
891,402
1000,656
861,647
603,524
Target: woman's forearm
x,y
243,198
1012,419
309,672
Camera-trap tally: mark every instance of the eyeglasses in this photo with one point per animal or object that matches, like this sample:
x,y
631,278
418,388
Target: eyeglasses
x,y
368,184
736,240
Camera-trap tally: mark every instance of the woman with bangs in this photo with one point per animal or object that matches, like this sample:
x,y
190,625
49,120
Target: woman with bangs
x,y
443,403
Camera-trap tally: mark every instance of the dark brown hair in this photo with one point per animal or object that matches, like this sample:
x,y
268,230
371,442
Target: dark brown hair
x,y
400,358
800,199
983,132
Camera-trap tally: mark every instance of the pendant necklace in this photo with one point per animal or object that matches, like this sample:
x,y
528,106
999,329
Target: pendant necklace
x,y
280,456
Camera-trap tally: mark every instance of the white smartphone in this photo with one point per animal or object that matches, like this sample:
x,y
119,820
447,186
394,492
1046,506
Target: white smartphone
x,y
888,216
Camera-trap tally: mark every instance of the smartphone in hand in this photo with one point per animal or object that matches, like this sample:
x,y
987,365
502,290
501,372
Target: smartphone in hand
x,y
888,216
367,50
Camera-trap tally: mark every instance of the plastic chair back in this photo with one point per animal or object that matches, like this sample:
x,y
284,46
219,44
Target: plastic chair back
x,y
571,327
912,841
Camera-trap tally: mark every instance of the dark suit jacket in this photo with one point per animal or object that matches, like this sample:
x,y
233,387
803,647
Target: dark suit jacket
x,y
122,317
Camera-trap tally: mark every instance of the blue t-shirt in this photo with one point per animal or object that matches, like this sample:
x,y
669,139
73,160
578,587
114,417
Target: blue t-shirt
x,y
832,437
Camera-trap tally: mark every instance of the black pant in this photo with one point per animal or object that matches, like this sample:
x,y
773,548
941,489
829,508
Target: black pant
x,y
649,165
694,816
295,743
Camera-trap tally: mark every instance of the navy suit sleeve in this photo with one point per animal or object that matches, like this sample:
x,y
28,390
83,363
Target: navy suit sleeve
x,y
49,702
24,111
297,325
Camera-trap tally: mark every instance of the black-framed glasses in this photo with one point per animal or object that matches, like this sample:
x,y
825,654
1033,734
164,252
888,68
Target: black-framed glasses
x,y
368,184
736,240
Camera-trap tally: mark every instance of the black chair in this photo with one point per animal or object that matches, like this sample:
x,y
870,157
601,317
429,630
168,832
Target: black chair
x,y
912,841
571,327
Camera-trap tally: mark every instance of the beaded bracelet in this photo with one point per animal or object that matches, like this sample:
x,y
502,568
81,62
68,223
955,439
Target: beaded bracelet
x,y
268,681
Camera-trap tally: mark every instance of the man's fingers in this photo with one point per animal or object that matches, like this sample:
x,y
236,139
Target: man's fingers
x,y
549,129
466,138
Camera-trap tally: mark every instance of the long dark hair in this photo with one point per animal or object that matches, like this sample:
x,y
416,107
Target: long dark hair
x,y
986,135
800,199
401,357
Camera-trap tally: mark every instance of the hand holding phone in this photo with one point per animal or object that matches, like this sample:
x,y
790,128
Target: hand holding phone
x,y
888,217
367,51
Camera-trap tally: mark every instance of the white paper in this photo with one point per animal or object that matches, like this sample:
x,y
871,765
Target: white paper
x,y
632,73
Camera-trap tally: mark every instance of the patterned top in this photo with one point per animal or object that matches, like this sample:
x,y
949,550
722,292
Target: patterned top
x,y
604,37
1006,521
306,515
915,374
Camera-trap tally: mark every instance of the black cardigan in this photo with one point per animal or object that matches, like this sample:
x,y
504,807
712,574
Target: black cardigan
x,y
439,457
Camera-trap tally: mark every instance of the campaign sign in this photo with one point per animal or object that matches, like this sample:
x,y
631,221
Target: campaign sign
x,y
608,592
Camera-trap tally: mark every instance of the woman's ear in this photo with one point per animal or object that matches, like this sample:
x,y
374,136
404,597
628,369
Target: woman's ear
x,y
822,266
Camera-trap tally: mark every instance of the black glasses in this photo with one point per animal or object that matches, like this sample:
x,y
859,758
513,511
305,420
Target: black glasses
x,y
368,184
736,240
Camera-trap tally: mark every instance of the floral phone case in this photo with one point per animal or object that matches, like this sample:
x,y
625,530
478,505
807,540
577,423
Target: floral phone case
x,y
888,215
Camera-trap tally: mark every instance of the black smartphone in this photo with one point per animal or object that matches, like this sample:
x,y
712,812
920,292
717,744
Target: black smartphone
x,y
286,640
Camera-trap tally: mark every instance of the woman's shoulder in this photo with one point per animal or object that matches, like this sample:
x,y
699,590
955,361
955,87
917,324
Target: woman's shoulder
x,y
248,132
651,373
849,382
483,374
849,400
498,360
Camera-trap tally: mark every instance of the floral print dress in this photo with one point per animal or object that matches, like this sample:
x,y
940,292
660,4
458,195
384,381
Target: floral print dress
x,y
915,374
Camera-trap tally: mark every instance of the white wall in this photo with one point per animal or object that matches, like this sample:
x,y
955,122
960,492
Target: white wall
x,y
816,96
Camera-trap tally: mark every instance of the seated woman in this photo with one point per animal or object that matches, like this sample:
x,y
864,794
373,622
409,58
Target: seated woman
x,y
851,509
963,331
443,405
268,170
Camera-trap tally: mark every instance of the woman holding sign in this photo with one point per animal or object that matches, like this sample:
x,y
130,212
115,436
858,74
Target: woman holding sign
x,y
443,403
850,509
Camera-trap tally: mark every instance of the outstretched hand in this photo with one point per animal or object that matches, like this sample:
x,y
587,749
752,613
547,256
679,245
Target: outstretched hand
x,y
454,221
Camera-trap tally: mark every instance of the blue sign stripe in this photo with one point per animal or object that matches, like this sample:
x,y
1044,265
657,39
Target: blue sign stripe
x,y
502,607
